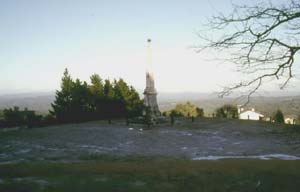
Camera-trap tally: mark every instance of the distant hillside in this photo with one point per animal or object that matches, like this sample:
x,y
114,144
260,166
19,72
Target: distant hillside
x,y
41,102
290,105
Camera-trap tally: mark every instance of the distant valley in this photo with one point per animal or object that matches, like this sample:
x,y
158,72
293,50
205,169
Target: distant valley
x,y
289,104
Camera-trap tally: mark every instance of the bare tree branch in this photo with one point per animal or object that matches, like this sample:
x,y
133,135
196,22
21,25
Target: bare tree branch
x,y
262,40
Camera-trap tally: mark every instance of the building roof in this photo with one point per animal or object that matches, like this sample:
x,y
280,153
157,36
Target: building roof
x,y
247,111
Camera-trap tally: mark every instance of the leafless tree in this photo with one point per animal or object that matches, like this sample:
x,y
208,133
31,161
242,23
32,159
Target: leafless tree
x,y
262,40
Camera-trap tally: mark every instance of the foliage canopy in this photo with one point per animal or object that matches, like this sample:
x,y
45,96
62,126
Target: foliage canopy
x,y
78,101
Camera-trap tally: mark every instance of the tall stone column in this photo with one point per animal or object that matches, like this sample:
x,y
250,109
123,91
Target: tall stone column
x,y
150,92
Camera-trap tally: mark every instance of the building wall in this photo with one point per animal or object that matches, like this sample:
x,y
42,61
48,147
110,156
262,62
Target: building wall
x,y
290,121
250,115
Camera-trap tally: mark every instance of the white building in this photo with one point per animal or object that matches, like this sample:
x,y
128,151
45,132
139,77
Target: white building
x,y
290,119
249,114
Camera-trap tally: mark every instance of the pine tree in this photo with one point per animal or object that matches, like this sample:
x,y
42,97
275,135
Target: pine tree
x,y
278,117
129,98
121,94
96,86
108,102
227,111
97,93
77,101
108,90
80,106
135,104
62,104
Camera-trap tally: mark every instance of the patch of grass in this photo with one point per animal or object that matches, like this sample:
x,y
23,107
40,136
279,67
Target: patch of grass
x,y
146,174
18,186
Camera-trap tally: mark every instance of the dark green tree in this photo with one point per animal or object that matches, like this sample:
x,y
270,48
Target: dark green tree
x,y
148,117
278,116
31,119
16,117
121,96
13,116
80,104
128,98
108,90
77,101
173,114
134,105
227,111
108,102
200,112
61,108
220,113
96,86
97,94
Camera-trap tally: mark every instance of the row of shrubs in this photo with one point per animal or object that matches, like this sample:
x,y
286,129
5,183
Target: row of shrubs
x,y
14,117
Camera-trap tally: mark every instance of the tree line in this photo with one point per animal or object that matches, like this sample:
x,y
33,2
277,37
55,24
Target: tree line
x,y
77,101
13,117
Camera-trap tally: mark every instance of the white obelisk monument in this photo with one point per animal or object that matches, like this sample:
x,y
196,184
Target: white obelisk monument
x,y
150,92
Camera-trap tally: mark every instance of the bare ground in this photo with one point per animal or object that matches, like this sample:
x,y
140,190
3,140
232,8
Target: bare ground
x,y
203,139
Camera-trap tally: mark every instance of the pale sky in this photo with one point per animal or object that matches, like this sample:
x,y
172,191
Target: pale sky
x,y
39,38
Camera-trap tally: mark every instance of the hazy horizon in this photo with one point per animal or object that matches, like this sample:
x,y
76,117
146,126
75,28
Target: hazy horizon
x,y
275,93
